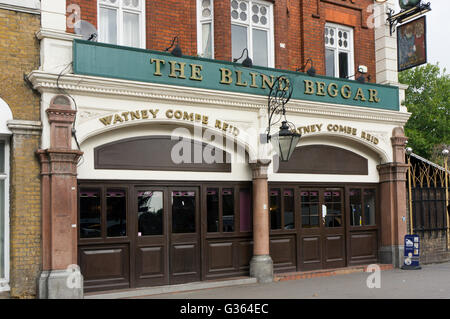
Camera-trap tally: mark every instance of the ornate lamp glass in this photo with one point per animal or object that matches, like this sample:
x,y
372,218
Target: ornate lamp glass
x,y
284,142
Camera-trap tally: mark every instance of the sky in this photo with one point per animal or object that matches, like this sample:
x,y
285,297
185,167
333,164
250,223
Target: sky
x,y
438,28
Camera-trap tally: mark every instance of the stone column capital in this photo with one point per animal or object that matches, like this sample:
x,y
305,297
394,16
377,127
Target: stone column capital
x,y
25,127
259,169
392,172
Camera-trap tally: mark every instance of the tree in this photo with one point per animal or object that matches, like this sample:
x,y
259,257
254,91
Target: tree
x,y
428,99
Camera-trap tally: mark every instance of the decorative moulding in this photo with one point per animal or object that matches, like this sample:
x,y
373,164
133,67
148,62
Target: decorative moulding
x,y
46,82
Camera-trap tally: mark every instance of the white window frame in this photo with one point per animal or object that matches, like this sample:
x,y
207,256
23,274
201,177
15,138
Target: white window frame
x,y
200,22
350,51
4,282
250,27
120,11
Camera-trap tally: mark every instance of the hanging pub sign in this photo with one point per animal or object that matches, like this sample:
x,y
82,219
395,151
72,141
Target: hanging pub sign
x,y
412,44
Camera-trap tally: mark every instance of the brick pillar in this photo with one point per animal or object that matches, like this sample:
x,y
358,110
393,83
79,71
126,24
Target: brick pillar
x,y
59,206
25,208
261,265
393,202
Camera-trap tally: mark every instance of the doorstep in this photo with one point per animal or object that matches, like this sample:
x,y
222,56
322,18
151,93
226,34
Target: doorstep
x,y
326,272
141,292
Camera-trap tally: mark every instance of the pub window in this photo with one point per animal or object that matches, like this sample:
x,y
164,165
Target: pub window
x,y
245,209
281,209
228,209
205,28
183,212
339,51
90,213
252,28
150,213
310,208
122,22
116,213
332,208
362,207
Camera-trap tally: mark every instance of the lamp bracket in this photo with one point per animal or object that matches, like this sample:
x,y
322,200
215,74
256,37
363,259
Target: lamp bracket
x,y
279,95
406,15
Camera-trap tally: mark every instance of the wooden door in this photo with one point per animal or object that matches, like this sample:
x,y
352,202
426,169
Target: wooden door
x,y
184,235
322,232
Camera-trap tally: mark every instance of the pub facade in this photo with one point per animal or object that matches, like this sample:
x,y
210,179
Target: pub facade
x,y
153,166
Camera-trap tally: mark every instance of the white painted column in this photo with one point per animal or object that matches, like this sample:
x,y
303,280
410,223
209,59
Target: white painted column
x,y
386,49
53,15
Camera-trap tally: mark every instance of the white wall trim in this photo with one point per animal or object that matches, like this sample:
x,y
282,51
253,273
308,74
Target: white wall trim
x,y
26,6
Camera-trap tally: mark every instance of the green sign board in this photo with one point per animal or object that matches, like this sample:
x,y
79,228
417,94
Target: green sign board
x,y
105,60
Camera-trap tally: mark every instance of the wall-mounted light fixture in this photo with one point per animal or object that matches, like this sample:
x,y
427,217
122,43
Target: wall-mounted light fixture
x,y
247,61
177,50
311,71
286,139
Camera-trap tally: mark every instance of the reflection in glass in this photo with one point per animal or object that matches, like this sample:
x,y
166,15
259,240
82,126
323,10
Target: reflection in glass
x,y
343,65
183,212
131,33
289,222
329,62
206,40
90,213
355,207
333,204
116,213
310,208
150,213
212,207
108,25
260,48
369,207
275,209
245,209
228,210
238,41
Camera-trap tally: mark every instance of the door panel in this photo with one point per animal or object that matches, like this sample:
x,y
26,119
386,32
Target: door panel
x,y
105,266
185,235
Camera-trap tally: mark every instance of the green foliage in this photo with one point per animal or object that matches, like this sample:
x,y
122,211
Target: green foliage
x,y
428,99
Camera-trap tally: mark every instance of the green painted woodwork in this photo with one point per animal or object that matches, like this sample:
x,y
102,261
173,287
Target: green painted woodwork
x,y
111,61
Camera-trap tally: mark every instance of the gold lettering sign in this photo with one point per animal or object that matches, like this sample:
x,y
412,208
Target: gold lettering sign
x,y
228,76
337,128
170,114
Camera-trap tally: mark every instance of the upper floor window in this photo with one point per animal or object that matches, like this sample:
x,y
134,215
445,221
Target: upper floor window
x,y
252,28
339,51
205,28
122,22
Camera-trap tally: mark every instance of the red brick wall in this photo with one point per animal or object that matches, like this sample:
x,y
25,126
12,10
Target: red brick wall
x,y
299,24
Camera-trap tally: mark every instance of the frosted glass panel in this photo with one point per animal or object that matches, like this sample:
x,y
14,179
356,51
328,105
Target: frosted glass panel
x,y
131,29
260,48
108,25
206,40
330,62
238,41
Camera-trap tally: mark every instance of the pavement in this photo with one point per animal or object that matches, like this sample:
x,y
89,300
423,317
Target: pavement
x,y
431,282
